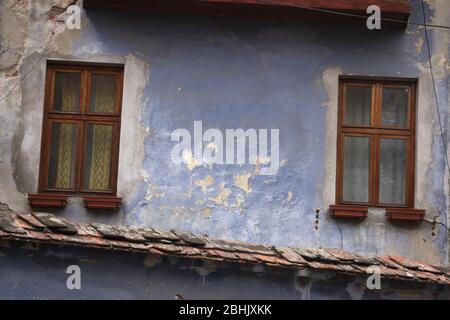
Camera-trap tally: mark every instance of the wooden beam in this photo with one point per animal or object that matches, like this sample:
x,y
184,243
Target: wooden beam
x,y
393,9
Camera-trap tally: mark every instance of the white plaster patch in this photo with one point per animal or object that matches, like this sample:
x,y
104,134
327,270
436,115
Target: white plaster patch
x,y
330,79
132,133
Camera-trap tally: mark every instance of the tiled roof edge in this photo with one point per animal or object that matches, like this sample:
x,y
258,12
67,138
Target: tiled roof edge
x,y
46,228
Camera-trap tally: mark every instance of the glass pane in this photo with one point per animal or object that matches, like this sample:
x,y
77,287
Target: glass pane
x,y
357,108
395,107
67,91
393,171
356,169
63,143
103,93
97,168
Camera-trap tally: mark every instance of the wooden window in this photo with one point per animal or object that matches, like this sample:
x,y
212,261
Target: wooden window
x,y
376,140
80,140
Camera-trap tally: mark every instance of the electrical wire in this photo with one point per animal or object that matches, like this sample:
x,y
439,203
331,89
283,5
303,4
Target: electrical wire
x,y
361,16
444,141
44,51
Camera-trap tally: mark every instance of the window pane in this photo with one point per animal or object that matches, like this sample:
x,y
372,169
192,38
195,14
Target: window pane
x,y
67,91
357,108
356,169
395,107
103,93
393,171
97,169
62,156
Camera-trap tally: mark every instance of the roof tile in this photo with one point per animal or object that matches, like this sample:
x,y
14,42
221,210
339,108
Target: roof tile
x,y
167,247
222,254
190,251
414,264
190,238
272,259
246,257
7,224
324,266
130,234
36,235
87,230
385,271
119,244
158,235
389,263
108,232
345,256
32,221
140,246
49,220
290,255
96,241
317,254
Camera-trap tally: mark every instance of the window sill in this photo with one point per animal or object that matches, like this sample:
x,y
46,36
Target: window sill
x,y
349,211
47,200
99,202
405,214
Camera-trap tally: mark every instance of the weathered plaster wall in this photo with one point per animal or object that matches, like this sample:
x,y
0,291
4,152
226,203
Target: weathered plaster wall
x,y
30,272
230,74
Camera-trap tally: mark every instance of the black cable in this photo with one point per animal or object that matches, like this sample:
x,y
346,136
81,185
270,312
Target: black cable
x,y
44,51
444,142
354,15
435,223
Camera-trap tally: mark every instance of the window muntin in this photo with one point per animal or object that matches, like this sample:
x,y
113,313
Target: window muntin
x,y
379,172
81,130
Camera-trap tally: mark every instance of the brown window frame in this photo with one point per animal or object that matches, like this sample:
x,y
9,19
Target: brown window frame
x,y
376,131
82,118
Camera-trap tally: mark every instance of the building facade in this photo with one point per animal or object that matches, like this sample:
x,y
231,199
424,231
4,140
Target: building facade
x,y
90,119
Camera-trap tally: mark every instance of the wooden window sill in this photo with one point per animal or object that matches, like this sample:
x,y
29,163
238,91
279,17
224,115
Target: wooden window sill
x,y
101,202
47,200
405,214
349,211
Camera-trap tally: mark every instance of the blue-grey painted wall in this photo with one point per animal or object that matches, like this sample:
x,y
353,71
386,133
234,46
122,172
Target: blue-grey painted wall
x,y
29,272
231,73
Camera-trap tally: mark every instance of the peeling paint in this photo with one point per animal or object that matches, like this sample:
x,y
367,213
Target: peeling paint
x,y
205,183
222,197
419,45
207,212
190,161
242,182
289,197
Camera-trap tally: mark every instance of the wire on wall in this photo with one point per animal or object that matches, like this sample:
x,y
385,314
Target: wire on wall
x,y
444,140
